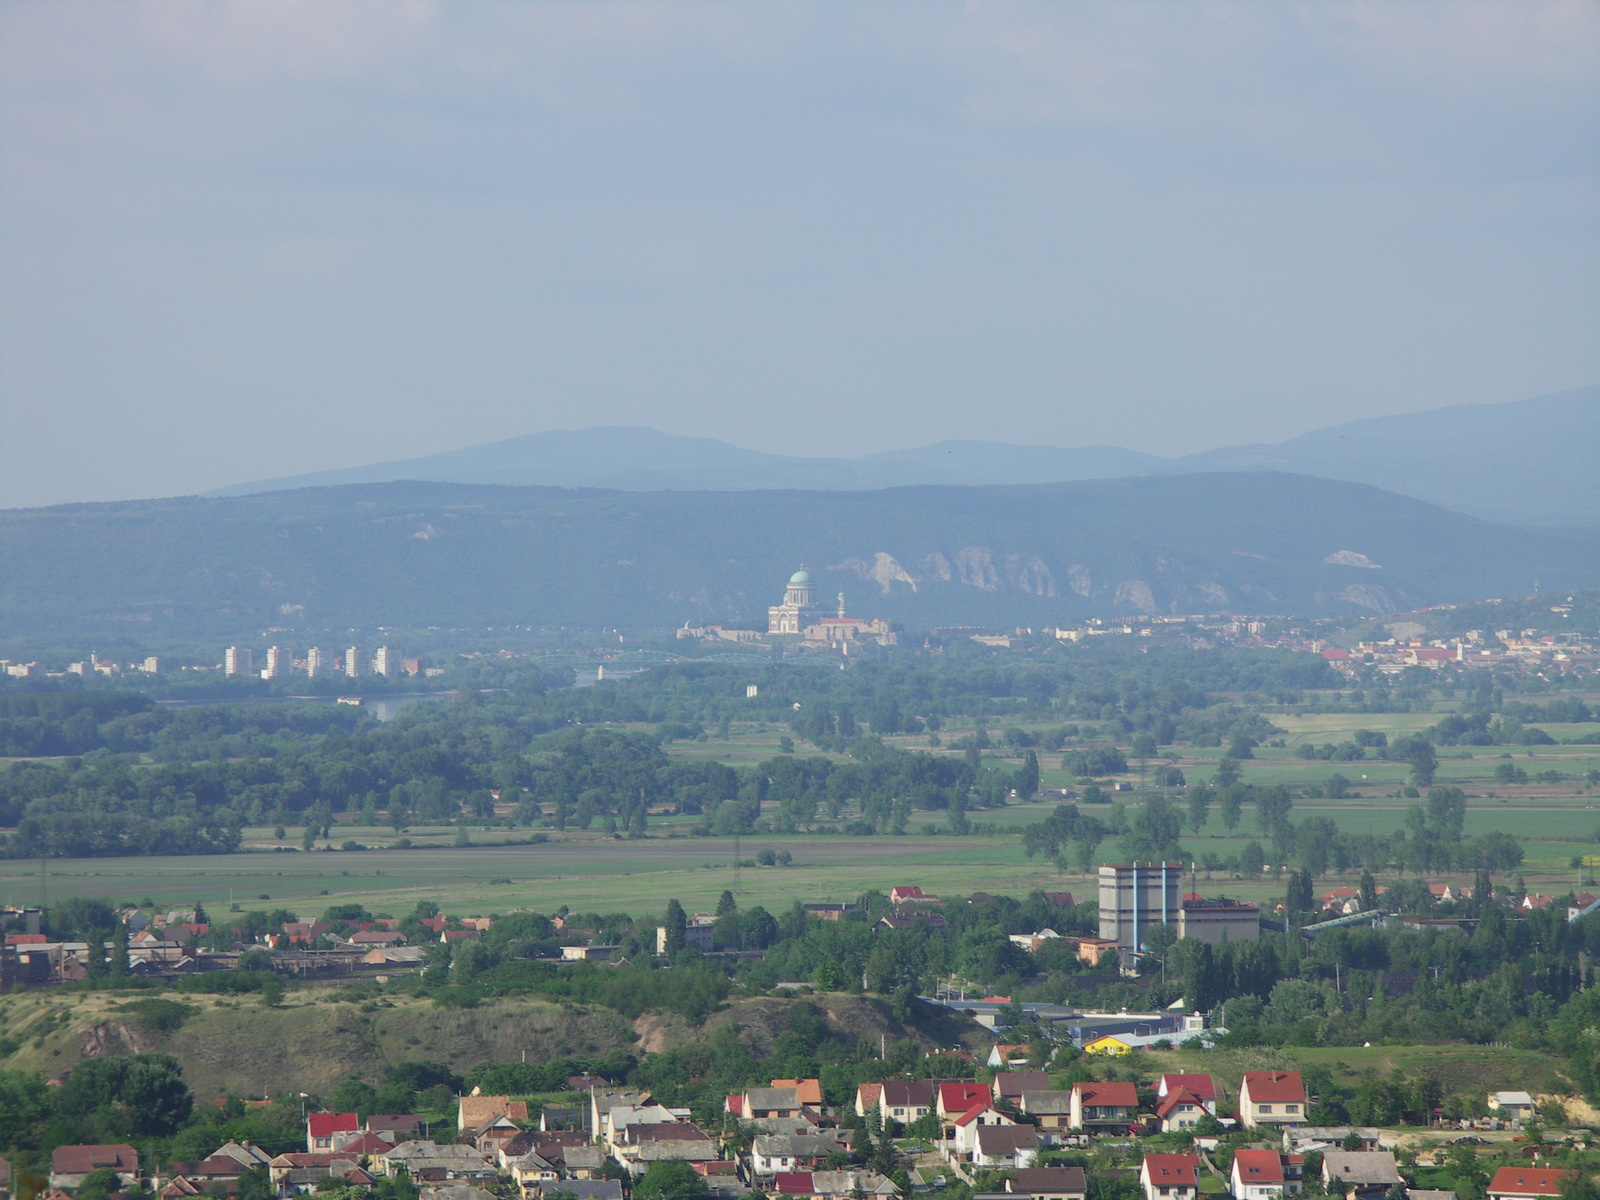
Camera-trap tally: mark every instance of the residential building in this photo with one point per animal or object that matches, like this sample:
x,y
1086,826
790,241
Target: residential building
x,y
1109,1045
319,664
1104,1107
1180,1109
808,1091
1005,1147
355,662
70,1164
238,660
1136,897
477,1110
323,1128
905,1100
1305,1138
663,1141
386,662
959,1096
1203,1087
757,1103
280,661
1049,1183
1364,1174
1526,1183
964,1130
833,1185
868,1096
1051,1112
603,1100
1009,1086
1517,1106
1170,1176
1272,1098
1263,1175
771,1153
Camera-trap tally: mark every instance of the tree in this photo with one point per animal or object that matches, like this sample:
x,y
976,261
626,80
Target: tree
x,y
882,970
119,951
1227,771
1199,807
1232,808
1028,776
1367,892
1300,898
99,1184
141,1095
94,958
255,1184
726,903
758,930
675,922
670,1179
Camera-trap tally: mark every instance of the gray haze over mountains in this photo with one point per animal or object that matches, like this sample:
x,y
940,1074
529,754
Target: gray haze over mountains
x,y
1528,462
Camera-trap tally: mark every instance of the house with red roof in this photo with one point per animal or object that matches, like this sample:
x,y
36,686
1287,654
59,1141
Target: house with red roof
x,y
1104,1107
1180,1109
1526,1183
324,1127
911,894
1203,1086
1170,1176
966,1126
957,1097
1263,1175
1272,1098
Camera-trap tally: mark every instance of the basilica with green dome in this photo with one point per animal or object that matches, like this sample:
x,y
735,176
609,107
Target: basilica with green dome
x,y
799,607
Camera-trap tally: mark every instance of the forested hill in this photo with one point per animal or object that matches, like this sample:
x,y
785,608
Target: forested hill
x,y
403,554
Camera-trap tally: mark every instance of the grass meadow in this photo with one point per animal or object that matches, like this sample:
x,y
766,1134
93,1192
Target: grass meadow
x,y
590,871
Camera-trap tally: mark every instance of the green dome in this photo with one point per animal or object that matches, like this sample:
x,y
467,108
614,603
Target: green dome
x,y
799,577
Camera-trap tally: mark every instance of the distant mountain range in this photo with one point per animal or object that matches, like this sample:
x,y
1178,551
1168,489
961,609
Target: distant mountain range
x,y
470,555
1529,462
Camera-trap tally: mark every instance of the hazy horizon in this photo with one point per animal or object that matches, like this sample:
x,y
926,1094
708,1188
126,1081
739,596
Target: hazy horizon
x,y
246,241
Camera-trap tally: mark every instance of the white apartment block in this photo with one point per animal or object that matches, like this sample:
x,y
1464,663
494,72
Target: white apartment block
x,y
238,660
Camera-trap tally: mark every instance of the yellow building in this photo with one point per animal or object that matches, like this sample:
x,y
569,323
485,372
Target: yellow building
x,y
1108,1045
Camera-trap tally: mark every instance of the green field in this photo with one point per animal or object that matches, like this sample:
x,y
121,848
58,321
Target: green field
x,y
591,871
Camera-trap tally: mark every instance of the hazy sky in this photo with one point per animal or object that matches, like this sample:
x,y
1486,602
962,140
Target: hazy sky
x,y
250,239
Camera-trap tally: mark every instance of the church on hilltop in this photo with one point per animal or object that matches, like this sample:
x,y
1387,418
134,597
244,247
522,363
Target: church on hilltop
x,y
800,616
799,607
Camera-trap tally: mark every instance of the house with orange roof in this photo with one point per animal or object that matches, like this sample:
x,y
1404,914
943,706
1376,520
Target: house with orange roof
x,y
807,1091
867,1097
